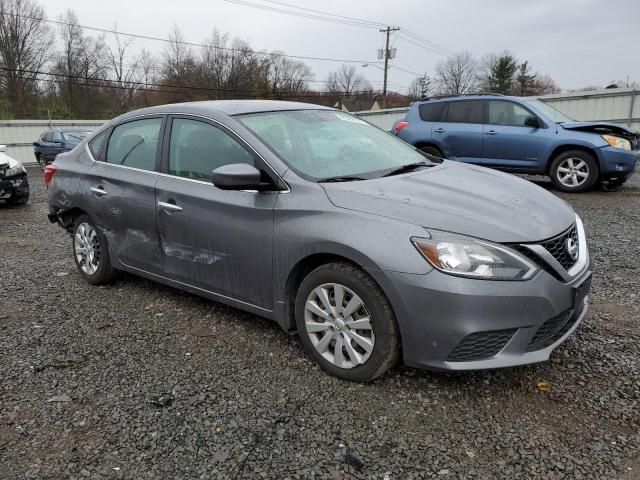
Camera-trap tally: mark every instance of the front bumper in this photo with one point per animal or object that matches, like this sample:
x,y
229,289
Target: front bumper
x,y
437,313
617,163
16,186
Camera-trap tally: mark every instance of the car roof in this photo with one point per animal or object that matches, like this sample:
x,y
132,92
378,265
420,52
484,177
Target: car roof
x,y
226,107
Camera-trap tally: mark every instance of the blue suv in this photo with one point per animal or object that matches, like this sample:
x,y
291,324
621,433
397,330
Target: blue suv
x,y
522,135
53,142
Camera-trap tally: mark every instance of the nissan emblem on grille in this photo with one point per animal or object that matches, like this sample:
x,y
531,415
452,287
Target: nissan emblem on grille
x,y
572,248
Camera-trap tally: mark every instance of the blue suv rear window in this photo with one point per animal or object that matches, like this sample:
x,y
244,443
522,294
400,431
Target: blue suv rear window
x,y
429,112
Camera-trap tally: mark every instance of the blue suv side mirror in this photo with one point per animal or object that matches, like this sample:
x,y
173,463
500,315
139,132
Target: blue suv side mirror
x,y
532,122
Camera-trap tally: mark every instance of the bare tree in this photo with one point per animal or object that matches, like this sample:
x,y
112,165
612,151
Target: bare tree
x,y
126,70
457,75
346,81
544,85
25,45
287,76
180,69
80,66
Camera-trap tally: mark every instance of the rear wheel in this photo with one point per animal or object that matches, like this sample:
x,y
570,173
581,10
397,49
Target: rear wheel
x,y
346,323
41,161
430,150
574,171
91,253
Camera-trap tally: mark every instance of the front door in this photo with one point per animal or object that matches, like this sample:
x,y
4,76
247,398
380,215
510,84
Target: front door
x,y
121,185
509,143
217,240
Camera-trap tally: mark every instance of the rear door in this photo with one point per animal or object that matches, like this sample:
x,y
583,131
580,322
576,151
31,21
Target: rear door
x,y
459,130
217,240
120,186
508,142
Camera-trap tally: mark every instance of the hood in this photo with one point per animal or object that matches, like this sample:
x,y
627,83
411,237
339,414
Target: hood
x,y
602,128
7,160
463,199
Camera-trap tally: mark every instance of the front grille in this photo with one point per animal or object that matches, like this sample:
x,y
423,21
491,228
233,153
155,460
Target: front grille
x,y
558,247
481,345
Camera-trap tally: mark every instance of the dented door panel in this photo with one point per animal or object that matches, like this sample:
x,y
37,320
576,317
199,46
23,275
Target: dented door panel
x,y
218,240
126,213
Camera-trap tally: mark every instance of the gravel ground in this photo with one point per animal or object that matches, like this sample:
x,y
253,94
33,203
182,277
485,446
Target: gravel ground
x,y
80,366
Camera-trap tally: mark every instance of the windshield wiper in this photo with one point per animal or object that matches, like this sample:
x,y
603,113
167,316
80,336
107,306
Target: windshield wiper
x,y
345,178
407,168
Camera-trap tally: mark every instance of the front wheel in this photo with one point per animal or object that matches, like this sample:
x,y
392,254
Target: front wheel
x,y
346,323
574,171
91,253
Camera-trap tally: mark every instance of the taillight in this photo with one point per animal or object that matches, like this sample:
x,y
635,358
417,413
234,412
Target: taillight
x,y
400,126
49,172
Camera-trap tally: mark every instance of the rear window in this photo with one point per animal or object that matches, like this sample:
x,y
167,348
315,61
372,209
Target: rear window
x,y
465,112
429,112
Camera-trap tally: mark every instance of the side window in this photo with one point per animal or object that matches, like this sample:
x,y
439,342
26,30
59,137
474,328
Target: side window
x,y
429,112
57,137
95,145
47,137
134,144
507,113
198,148
465,112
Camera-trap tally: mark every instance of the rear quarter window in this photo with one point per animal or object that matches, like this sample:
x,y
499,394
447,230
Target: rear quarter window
x,y
429,112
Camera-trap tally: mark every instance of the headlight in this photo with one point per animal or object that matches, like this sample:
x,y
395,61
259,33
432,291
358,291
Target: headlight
x,y
617,142
468,257
17,169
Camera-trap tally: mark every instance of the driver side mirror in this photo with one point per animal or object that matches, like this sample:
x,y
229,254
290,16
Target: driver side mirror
x,y
532,122
237,176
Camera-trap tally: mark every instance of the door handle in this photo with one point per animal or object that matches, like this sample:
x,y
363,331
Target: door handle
x,y
439,130
491,132
98,190
170,207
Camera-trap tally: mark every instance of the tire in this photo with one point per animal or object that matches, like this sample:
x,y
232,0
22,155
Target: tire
x,y
41,161
357,364
95,269
429,150
574,171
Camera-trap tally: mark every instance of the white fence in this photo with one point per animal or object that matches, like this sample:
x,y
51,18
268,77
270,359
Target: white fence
x,y
620,105
19,135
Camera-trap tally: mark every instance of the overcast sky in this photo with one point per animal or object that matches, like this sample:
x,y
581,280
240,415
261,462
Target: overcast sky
x,y
577,42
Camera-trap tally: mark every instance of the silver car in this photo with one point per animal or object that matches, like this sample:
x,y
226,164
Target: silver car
x,y
368,249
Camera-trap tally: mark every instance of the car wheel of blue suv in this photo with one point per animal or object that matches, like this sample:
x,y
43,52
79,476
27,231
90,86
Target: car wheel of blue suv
x,y
429,150
574,171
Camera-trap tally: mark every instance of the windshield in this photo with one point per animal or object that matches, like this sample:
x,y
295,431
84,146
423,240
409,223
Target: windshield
x,y
551,113
322,144
76,136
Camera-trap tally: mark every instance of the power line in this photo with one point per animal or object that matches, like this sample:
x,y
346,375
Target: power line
x,y
159,87
377,24
422,39
425,47
356,23
190,44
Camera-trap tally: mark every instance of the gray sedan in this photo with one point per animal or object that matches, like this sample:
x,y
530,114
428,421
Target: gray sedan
x,y
368,249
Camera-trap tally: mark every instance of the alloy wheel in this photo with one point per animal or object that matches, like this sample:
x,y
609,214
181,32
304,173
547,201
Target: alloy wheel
x,y
339,325
572,172
86,245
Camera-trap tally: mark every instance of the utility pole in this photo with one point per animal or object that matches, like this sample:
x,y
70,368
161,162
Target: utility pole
x,y
386,55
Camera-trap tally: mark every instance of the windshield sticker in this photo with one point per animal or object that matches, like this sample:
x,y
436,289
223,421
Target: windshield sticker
x,y
349,118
